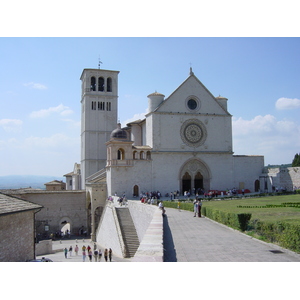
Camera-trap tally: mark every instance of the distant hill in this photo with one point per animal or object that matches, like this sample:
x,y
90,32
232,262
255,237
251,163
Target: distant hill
x,y
279,166
24,181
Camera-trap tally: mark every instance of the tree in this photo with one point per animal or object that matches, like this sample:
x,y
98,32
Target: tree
x,y
296,160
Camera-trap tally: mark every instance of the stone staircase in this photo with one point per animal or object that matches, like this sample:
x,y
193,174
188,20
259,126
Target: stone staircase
x,y
128,230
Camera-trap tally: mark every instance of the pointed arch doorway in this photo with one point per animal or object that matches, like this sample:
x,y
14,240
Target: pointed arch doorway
x,y
186,182
194,176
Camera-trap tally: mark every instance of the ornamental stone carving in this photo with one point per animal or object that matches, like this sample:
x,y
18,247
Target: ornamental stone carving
x,y
193,133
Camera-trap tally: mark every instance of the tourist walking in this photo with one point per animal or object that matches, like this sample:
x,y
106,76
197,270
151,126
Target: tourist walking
x,y
90,254
70,250
110,254
105,254
83,254
100,254
76,250
195,207
66,252
96,254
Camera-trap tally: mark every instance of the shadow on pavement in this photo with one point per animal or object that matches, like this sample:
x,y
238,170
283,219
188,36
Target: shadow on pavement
x,y
169,248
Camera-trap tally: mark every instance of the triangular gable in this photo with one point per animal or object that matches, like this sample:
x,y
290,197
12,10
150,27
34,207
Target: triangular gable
x,y
192,86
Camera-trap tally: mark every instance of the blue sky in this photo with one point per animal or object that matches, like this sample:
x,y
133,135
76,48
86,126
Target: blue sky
x,y
40,91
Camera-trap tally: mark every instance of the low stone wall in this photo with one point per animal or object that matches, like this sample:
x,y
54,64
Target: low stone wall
x,y
107,233
151,246
142,215
149,226
43,247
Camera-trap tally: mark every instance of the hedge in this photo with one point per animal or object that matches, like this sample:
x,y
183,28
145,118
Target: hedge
x,y
237,221
287,235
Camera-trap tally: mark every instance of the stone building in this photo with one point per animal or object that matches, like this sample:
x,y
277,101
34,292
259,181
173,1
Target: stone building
x,y
73,179
60,208
55,185
183,144
17,229
280,179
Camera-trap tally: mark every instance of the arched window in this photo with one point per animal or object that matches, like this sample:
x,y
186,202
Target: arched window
x,y
142,155
135,155
136,191
108,85
121,154
148,155
100,84
93,83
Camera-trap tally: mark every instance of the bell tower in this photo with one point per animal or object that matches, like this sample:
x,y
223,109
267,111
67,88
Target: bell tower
x,y
99,116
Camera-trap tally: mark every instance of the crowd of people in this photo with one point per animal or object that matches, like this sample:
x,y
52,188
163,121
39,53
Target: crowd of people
x,y
94,254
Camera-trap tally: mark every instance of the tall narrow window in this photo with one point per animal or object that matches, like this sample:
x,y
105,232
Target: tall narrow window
x,y
100,84
121,154
148,155
108,85
93,83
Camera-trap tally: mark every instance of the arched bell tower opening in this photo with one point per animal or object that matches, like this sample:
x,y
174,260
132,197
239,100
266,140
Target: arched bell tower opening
x,y
194,177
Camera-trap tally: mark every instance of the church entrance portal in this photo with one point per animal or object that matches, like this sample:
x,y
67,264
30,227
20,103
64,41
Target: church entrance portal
x,y
186,182
194,177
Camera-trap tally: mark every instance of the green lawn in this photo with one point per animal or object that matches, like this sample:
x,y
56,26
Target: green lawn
x,y
266,214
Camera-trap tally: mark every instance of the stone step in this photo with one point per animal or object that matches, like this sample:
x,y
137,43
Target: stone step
x,y
128,230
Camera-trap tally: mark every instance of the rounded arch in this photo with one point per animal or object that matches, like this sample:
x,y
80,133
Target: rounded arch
x,y
121,154
199,173
109,84
65,225
101,84
136,191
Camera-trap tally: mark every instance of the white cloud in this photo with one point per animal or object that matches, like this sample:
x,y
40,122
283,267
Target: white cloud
x,y
136,117
287,103
277,140
11,125
60,109
36,86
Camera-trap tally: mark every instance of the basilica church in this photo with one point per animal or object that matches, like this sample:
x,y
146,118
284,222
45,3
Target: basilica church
x,y
183,144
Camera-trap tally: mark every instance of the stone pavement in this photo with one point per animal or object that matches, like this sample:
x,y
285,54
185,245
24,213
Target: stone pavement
x,y
59,256
193,239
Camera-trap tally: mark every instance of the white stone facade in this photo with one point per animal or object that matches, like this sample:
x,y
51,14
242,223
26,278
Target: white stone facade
x,y
183,144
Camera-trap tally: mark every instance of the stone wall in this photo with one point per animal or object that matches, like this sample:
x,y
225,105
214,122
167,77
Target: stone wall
x,y
283,178
142,215
43,247
107,235
17,237
58,206
149,226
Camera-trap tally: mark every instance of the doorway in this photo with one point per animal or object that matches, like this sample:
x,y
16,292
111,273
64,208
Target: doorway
x,y
136,191
186,182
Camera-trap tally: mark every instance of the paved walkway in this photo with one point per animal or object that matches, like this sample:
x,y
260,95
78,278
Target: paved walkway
x,y
59,255
193,239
